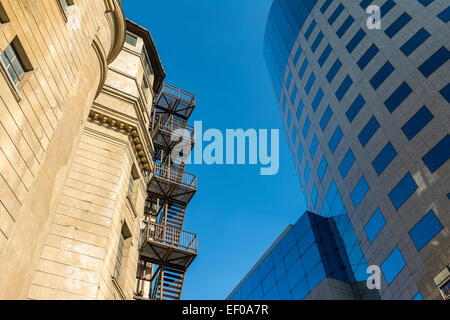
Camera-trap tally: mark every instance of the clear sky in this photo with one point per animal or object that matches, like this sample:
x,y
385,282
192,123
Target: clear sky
x,y
213,48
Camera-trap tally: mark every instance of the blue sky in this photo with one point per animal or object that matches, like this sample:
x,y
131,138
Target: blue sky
x,y
213,48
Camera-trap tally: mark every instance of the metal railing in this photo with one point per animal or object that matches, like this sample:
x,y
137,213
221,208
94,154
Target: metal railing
x,y
178,93
171,126
175,175
170,236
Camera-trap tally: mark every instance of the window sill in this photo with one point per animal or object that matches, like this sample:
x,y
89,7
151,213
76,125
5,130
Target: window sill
x,y
119,289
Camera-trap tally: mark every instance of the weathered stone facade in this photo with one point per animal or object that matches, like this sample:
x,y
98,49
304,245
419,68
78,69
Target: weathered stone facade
x,y
75,152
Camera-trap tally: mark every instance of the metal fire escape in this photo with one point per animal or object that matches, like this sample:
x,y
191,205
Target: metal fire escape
x,y
167,251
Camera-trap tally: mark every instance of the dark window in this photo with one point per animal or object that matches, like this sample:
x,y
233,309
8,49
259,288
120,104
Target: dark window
x,y
3,16
397,98
13,64
382,74
368,131
288,80
425,230
334,70
326,118
310,29
147,66
393,264
345,26
294,94
445,289
300,109
346,163
425,3
355,40
317,99
384,158
297,55
368,56
375,225
303,68
398,25
119,256
355,108
445,92
300,153
335,139
306,176
313,147
345,85
386,7
314,196
325,6
317,42
325,54
445,15
283,106
310,83
404,189
359,192
365,3
434,62
414,42
439,155
130,39
336,14
417,122
322,168
306,127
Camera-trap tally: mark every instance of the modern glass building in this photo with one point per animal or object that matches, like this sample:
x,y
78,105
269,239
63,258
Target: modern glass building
x,y
366,112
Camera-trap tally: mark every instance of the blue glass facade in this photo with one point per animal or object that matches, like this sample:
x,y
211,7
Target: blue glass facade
x,y
372,115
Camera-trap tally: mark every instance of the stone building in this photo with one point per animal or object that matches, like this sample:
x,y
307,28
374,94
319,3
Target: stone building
x,y
76,91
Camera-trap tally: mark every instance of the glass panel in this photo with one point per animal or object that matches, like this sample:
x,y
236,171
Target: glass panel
x,y
303,68
359,192
325,6
297,55
417,122
382,74
326,118
386,7
334,70
397,25
130,39
317,42
294,94
306,127
393,264
425,230
336,14
434,62
325,54
404,189
418,296
365,3
445,92
344,27
306,176
445,15
384,158
416,40
346,163
310,29
300,109
313,147
397,98
335,139
355,40
369,130
375,225
368,56
437,156
342,90
310,83
317,99
355,108
322,168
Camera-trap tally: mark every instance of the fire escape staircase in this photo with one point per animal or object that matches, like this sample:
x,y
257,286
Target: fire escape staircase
x,y
163,242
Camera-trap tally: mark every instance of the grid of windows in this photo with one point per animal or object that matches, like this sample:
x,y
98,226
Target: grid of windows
x,y
368,131
382,74
375,225
402,191
398,25
438,155
425,230
417,122
359,192
347,163
414,42
393,265
384,158
335,139
398,96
